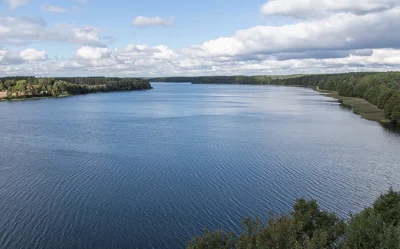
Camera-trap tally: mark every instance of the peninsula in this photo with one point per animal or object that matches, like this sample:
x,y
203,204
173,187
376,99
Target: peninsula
x,y
31,87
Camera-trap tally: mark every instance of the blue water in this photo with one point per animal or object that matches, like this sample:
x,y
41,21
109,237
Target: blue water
x,y
150,169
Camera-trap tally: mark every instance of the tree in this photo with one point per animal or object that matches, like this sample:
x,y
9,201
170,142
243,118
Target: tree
x,y
346,89
391,104
20,87
58,88
363,230
388,205
1,86
390,239
307,227
9,92
360,89
316,225
395,117
9,83
384,96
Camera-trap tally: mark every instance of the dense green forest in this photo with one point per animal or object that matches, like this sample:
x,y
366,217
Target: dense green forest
x,y
380,89
308,227
251,80
28,87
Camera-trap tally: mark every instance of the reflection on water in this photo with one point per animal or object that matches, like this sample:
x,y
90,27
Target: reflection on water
x,y
151,169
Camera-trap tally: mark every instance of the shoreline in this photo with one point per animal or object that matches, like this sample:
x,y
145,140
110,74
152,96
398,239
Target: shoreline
x,y
62,96
35,98
359,106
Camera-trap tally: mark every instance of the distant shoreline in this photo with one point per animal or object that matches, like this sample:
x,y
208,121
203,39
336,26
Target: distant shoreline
x,y
36,98
30,87
61,96
373,95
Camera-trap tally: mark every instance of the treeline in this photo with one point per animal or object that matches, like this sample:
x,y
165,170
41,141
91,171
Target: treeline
x,y
308,227
26,87
251,80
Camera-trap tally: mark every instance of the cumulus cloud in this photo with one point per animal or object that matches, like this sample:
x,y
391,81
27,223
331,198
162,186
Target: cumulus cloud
x,y
144,51
91,53
31,29
138,49
144,22
53,9
86,35
28,55
13,4
341,31
379,60
9,58
324,37
316,8
33,55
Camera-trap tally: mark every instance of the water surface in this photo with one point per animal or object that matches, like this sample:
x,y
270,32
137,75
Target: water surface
x,y
149,169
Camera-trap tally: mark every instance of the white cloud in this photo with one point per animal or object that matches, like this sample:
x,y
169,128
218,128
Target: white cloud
x,y
33,55
132,48
91,53
8,57
31,29
324,37
4,29
164,53
341,31
310,9
143,22
379,60
53,9
160,52
86,35
13,4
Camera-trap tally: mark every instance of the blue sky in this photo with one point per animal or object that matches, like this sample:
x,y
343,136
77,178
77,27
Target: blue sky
x,y
196,21
156,38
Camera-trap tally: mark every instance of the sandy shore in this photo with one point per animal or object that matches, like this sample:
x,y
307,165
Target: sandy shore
x,y
3,94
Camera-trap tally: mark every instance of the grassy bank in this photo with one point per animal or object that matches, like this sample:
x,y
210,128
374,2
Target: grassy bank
x,y
360,106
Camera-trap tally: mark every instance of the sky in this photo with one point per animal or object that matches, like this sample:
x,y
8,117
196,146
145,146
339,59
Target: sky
x,y
129,38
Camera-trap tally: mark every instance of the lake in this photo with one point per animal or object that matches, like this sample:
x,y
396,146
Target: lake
x,y
149,169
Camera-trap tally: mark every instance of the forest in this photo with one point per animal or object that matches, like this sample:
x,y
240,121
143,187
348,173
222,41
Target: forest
x,y
28,87
309,227
380,89
251,80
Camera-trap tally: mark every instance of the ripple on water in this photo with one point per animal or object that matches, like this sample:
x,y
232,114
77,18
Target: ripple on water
x,y
151,169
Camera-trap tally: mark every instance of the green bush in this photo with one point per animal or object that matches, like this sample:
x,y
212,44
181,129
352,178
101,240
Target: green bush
x,y
308,227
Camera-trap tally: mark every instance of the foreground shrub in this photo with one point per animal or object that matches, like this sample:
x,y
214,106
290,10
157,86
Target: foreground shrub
x,y
309,227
